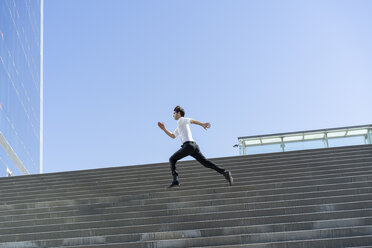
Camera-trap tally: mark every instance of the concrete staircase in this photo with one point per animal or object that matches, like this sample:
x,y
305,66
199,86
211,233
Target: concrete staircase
x,y
311,198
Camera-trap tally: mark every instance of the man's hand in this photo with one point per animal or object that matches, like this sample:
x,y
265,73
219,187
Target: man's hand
x,y
206,125
161,125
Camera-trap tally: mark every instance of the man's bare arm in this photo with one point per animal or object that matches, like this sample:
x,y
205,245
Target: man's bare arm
x,y
204,125
162,127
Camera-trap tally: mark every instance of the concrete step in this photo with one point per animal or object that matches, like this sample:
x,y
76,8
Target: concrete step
x,y
271,194
158,209
339,234
161,169
233,206
208,175
181,223
224,195
211,232
43,196
156,168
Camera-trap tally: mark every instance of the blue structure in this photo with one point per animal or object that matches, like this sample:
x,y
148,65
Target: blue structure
x,y
21,87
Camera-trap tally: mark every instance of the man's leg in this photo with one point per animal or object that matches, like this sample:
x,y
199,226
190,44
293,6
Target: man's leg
x,y
181,153
201,159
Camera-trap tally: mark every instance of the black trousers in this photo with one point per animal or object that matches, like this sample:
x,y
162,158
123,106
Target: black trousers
x,y
190,148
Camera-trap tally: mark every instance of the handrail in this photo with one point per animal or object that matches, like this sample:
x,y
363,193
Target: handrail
x,y
324,135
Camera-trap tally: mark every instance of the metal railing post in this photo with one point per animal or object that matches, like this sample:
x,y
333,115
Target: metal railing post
x,y
325,140
282,145
242,148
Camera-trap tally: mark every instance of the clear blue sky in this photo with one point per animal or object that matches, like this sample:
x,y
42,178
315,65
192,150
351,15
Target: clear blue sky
x,y
114,68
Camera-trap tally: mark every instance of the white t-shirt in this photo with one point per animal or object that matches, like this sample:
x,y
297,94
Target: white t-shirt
x,y
183,130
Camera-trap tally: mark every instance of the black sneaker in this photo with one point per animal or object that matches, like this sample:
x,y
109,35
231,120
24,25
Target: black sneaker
x,y
227,175
174,183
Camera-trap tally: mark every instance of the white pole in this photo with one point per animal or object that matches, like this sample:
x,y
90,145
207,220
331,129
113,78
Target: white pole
x,y
41,85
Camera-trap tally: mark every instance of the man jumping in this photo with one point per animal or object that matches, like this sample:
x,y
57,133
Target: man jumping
x,y
189,147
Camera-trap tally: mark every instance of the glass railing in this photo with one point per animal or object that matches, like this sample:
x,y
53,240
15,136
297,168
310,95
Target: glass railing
x,y
324,138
